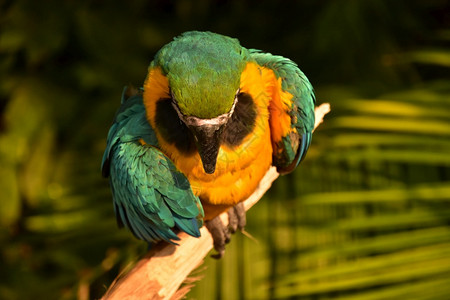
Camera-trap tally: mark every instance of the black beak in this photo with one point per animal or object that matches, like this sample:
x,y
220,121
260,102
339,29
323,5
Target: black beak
x,y
207,139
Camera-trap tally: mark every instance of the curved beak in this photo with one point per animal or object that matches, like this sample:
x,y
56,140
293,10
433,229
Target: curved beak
x,y
207,139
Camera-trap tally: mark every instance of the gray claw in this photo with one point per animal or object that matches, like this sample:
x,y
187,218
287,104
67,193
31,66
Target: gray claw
x,y
221,234
237,217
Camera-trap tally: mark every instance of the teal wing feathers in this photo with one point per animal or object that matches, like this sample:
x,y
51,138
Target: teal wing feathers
x,y
294,81
151,197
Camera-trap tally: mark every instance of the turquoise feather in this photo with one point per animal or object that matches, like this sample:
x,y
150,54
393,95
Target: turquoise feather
x,y
151,197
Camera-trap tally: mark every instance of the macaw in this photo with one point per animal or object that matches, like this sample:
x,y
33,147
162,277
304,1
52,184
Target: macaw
x,y
195,141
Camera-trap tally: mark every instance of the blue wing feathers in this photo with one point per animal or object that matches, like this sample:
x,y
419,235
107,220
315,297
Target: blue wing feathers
x,y
304,145
151,197
294,81
149,212
190,226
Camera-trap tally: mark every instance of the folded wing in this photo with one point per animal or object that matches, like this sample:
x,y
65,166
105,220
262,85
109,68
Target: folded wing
x,y
291,110
151,197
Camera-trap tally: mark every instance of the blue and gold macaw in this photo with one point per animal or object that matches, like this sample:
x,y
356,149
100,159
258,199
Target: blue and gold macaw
x,y
211,119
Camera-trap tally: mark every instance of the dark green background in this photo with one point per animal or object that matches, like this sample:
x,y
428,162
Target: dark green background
x,y
366,215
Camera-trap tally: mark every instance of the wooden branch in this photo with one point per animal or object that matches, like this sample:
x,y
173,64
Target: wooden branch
x,y
161,272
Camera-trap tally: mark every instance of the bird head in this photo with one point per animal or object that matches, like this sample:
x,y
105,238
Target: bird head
x,y
203,70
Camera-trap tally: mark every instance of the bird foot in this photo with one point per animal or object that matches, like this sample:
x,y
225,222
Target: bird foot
x,y
237,217
222,234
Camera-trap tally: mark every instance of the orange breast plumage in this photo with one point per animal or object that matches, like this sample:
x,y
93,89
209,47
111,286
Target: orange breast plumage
x,y
243,159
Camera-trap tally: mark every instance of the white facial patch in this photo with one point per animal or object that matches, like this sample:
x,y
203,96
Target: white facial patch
x,y
194,121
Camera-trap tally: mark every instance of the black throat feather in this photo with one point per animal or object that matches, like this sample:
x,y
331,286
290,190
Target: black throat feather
x,y
174,131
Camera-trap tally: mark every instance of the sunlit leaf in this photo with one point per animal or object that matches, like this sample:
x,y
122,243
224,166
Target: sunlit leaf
x,y
435,57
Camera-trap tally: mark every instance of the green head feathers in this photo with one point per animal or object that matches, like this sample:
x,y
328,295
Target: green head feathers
x,y
204,71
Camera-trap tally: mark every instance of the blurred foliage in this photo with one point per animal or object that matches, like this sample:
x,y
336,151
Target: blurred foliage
x,y
366,216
